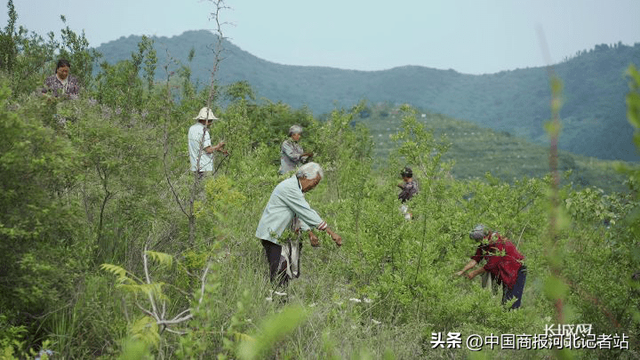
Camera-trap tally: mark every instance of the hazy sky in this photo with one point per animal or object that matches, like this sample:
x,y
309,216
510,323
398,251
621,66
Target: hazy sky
x,y
469,36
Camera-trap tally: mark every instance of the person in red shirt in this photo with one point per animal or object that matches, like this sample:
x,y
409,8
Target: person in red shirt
x,y
504,262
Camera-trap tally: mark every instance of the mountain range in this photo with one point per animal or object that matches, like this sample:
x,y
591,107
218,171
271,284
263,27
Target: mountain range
x,y
517,101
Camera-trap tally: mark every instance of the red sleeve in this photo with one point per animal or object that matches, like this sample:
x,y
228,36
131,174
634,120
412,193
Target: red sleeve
x,y
479,255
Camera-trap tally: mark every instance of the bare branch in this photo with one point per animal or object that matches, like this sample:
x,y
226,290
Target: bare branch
x,y
166,173
204,282
219,5
174,321
176,331
148,312
215,171
146,267
166,144
182,313
185,293
148,278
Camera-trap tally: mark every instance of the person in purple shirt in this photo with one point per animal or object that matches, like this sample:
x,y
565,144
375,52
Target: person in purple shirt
x,y
62,84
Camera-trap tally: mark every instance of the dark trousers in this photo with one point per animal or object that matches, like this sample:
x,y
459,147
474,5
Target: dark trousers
x,y
199,174
277,273
517,289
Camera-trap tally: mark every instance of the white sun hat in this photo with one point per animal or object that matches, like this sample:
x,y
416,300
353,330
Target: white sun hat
x,y
205,114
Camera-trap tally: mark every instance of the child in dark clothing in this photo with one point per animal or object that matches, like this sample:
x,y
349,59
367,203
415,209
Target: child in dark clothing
x,y
409,188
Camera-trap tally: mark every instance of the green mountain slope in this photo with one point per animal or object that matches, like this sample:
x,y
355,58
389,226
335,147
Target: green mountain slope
x,y
476,151
514,101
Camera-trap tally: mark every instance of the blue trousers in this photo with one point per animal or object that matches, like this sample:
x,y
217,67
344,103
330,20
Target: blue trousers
x,y
517,289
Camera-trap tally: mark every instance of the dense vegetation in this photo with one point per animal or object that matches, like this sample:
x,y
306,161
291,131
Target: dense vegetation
x,y
594,121
110,248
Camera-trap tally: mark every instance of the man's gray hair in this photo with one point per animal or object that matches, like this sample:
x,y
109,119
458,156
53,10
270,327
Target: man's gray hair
x,y
479,232
310,171
295,129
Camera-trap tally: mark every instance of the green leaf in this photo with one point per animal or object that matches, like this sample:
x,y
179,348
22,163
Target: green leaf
x,y
556,85
154,289
114,269
161,258
552,128
555,288
134,350
274,329
633,109
145,329
242,337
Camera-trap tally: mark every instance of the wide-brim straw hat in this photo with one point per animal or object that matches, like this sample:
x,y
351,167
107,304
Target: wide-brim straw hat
x,y
205,114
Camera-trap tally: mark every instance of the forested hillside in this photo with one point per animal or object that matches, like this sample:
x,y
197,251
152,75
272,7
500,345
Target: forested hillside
x,y
514,101
111,248
476,151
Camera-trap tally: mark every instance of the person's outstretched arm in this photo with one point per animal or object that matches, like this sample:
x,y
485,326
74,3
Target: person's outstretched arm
x,y
469,265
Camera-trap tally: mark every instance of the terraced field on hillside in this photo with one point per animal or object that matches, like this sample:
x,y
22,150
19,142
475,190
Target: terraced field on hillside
x,y
476,151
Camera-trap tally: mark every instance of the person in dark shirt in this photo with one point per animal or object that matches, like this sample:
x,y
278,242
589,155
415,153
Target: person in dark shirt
x,y
291,153
409,188
504,262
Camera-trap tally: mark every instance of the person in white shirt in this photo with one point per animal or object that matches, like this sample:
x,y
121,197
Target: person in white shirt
x,y
287,208
200,149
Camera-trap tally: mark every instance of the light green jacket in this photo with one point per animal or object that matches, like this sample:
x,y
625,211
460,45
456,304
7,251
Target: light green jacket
x,y
287,201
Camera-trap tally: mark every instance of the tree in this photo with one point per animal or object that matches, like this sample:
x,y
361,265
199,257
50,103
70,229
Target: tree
x,y
8,48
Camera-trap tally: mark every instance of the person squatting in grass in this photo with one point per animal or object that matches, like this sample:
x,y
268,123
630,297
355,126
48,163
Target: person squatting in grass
x,y
291,153
409,188
200,149
287,208
504,262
